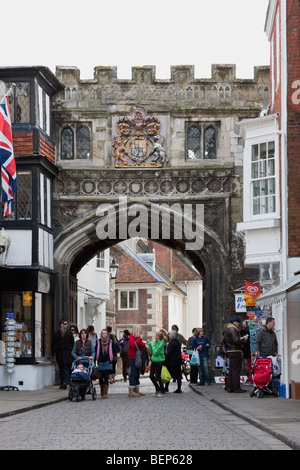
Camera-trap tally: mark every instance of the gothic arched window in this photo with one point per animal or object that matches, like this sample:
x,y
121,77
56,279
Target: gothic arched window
x,y
67,144
210,143
83,142
193,143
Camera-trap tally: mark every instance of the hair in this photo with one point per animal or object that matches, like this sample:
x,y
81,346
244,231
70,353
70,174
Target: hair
x,y
108,328
104,329
136,331
126,332
83,331
173,334
75,328
90,329
160,335
175,327
269,319
62,321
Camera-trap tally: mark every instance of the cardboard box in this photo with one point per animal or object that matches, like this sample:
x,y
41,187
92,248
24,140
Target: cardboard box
x,y
295,389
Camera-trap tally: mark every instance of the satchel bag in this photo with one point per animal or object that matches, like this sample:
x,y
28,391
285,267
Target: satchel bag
x,y
223,349
195,361
138,357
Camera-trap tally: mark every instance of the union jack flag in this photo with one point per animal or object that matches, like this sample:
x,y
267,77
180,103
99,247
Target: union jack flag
x,y
7,159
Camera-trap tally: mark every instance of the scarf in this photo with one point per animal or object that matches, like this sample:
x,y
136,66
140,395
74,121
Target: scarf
x,y
105,346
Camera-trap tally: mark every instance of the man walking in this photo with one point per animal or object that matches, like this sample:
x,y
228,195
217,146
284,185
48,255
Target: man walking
x,y
234,344
62,345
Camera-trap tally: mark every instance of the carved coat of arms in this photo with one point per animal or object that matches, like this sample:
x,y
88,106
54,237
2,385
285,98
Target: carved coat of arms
x,y
139,141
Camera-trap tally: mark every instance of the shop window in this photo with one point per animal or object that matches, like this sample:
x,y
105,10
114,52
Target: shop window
x,y
21,304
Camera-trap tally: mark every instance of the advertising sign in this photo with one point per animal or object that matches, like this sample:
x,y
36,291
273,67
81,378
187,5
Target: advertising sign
x,y
240,304
252,292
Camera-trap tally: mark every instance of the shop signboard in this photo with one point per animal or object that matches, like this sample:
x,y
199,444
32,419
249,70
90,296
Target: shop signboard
x,y
10,315
27,299
240,304
221,379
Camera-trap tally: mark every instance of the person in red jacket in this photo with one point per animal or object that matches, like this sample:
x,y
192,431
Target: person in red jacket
x,y
135,340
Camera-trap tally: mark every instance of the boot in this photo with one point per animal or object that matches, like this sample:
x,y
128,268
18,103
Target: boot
x,y
105,390
101,389
132,393
137,390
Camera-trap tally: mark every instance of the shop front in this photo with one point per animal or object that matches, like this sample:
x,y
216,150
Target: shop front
x,y
26,299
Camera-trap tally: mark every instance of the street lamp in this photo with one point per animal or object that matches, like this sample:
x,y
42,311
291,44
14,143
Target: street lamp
x,y
4,245
113,269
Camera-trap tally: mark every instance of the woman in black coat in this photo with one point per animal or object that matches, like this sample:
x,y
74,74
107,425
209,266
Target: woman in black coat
x,y
173,360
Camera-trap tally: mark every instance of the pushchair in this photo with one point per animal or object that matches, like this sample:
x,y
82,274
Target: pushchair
x,y
81,382
262,375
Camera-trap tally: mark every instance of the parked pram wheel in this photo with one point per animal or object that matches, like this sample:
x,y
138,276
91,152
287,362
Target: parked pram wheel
x,y
70,394
252,393
275,392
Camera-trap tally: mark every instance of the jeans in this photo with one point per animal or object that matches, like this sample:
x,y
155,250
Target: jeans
x,y
204,372
64,372
134,377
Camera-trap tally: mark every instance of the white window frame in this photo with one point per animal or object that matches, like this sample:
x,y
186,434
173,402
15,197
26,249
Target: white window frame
x,y
260,179
128,291
248,186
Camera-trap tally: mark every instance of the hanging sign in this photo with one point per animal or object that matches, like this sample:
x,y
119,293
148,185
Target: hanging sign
x,y
27,299
252,292
240,304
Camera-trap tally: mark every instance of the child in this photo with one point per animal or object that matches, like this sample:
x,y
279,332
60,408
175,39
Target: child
x,y
157,358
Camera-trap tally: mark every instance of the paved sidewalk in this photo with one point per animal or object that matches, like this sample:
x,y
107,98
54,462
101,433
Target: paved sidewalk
x,y
278,416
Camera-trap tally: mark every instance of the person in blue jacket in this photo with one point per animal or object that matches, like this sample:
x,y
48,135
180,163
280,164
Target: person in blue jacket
x,y
202,344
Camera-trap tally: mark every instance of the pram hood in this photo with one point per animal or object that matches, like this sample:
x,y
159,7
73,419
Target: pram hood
x,y
85,361
262,371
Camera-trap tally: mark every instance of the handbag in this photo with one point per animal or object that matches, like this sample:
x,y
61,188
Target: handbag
x,y
165,375
195,358
223,348
95,375
138,357
105,365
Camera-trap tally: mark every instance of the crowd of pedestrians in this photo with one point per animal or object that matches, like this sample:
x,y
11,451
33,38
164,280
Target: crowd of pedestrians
x,y
138,355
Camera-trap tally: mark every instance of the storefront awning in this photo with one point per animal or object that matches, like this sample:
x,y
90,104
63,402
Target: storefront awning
x,y
277,294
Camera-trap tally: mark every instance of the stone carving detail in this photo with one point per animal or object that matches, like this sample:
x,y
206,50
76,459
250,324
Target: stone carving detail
x,y
73,184
138,141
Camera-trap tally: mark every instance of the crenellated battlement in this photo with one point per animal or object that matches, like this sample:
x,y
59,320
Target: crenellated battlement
x,y
180,74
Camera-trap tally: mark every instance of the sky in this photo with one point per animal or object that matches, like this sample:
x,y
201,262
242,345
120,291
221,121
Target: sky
x,y
127,33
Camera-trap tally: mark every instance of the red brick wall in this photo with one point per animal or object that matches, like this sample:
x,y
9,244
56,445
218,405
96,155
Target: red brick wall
x,y
293,124
23,142
47,149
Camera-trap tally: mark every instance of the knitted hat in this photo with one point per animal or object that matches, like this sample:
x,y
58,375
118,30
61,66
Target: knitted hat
x,y
235,319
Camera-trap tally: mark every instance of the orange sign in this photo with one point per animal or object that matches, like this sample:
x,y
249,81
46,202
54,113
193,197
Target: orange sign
x,y
252,292
27,299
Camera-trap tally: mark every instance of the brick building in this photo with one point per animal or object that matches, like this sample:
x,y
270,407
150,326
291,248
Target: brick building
x,y
271,186
156,287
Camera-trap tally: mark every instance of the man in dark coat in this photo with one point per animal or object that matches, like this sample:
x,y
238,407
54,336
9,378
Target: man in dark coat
x,y
62,344
234,344
173,360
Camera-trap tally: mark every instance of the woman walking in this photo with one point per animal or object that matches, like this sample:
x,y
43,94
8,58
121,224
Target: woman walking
x,y
173,360
83,346
157,351
105,353
135,342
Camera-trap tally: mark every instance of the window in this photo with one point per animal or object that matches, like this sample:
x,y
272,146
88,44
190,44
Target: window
x,y
128,300
20,305
75,143
201,141
22,203
19,102
263,178
67,144
100,260
42,102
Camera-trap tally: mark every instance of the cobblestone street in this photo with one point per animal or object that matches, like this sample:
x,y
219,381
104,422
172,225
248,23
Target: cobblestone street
x,y
186,421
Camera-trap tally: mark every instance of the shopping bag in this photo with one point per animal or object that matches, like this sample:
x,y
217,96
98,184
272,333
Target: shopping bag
x,y
165,375
276,368
195,358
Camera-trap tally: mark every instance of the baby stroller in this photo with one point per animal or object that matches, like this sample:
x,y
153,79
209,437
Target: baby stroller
x,y
262,375
81,382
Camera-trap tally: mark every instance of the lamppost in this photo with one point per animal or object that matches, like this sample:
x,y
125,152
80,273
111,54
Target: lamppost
x,y
4,245
113,269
